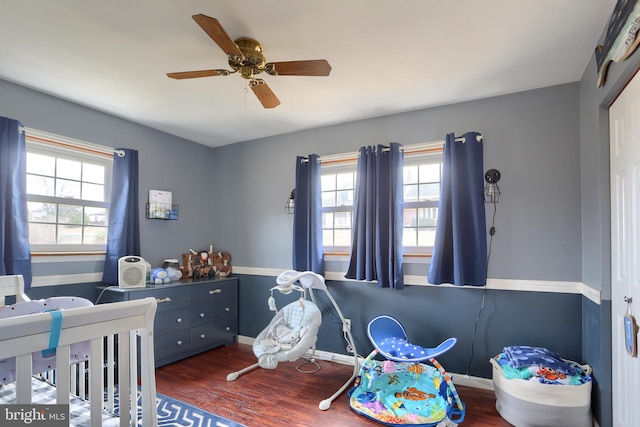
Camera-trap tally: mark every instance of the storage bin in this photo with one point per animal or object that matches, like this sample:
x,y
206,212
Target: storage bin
x,y
532,404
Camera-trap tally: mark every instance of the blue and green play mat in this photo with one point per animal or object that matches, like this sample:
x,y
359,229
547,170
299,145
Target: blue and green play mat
x,y
402,390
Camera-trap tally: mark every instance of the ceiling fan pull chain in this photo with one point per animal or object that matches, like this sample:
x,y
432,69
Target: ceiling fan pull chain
x,y
246,95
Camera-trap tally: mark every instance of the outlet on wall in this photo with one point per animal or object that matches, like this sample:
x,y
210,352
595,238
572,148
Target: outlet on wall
x,y
346,325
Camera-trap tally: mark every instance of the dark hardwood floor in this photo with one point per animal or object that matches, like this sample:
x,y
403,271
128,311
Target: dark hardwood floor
x,y
284,396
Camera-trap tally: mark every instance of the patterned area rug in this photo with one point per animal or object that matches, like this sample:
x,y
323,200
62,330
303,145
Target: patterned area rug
x,y
171,412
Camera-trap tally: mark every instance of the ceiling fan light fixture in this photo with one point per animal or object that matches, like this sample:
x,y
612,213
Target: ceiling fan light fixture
x,y
247,45
246,72
252,51
246,58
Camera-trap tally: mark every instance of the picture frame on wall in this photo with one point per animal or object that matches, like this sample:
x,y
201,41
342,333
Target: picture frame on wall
x,y
160,204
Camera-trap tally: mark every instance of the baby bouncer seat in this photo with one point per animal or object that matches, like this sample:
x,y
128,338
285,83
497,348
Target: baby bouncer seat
x,y
293,330
403,390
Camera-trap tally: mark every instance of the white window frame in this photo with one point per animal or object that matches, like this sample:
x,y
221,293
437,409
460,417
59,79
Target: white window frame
x,y
62,147
420,158
413,155
335,169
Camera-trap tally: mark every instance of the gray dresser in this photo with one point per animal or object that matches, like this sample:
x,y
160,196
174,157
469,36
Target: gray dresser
x,y
193,315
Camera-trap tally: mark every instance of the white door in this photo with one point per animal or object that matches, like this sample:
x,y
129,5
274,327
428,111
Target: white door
x,y
624,123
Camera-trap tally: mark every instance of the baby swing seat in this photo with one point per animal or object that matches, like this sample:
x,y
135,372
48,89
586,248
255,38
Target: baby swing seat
x,y
291,332
402,390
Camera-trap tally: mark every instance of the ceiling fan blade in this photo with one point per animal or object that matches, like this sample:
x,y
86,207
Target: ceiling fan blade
x,y
193,74
264,93
212,27
314,67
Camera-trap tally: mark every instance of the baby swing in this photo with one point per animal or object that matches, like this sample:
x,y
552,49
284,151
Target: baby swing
x,y
402,390
294,328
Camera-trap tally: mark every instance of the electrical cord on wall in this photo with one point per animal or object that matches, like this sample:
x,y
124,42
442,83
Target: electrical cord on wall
x,y
330,310
492,231
103,291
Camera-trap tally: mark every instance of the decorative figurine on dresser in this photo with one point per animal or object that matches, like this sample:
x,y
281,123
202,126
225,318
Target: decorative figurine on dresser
x,y
203,263
222,264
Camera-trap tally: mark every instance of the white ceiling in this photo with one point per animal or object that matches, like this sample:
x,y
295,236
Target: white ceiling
x,y
387,56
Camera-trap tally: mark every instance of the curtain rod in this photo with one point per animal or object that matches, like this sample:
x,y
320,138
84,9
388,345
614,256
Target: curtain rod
x,y
479,138
64,141
419,148
423,147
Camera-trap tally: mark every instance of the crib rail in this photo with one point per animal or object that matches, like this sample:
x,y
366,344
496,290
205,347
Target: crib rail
x,y
79,379
120,322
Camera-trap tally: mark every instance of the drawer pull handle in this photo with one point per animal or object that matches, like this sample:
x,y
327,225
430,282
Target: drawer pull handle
x,y
202,336
202,315
179,342
167,299
227,309
228,329
179,320
215,291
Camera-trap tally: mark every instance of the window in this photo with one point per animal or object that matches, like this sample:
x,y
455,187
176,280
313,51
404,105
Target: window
x,y
421,182
68,191
338,191
421,175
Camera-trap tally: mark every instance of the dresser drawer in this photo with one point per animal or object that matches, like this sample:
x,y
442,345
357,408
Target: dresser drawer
x,y
171,321
213,291
206,313
170,344
212,332
168,298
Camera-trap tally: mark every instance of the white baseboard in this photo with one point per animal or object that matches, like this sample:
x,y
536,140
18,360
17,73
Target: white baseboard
x,y
474,382
245,340
460,379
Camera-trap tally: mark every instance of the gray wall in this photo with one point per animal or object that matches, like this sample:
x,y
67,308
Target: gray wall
x,y
531,137
166,163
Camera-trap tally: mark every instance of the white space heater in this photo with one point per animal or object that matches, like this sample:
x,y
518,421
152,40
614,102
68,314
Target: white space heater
x,y
131,272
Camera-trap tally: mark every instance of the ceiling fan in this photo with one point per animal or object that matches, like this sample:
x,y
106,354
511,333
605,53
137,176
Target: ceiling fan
x,y
245,57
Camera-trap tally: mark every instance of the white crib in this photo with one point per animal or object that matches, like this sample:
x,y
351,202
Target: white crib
x,y
116,333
